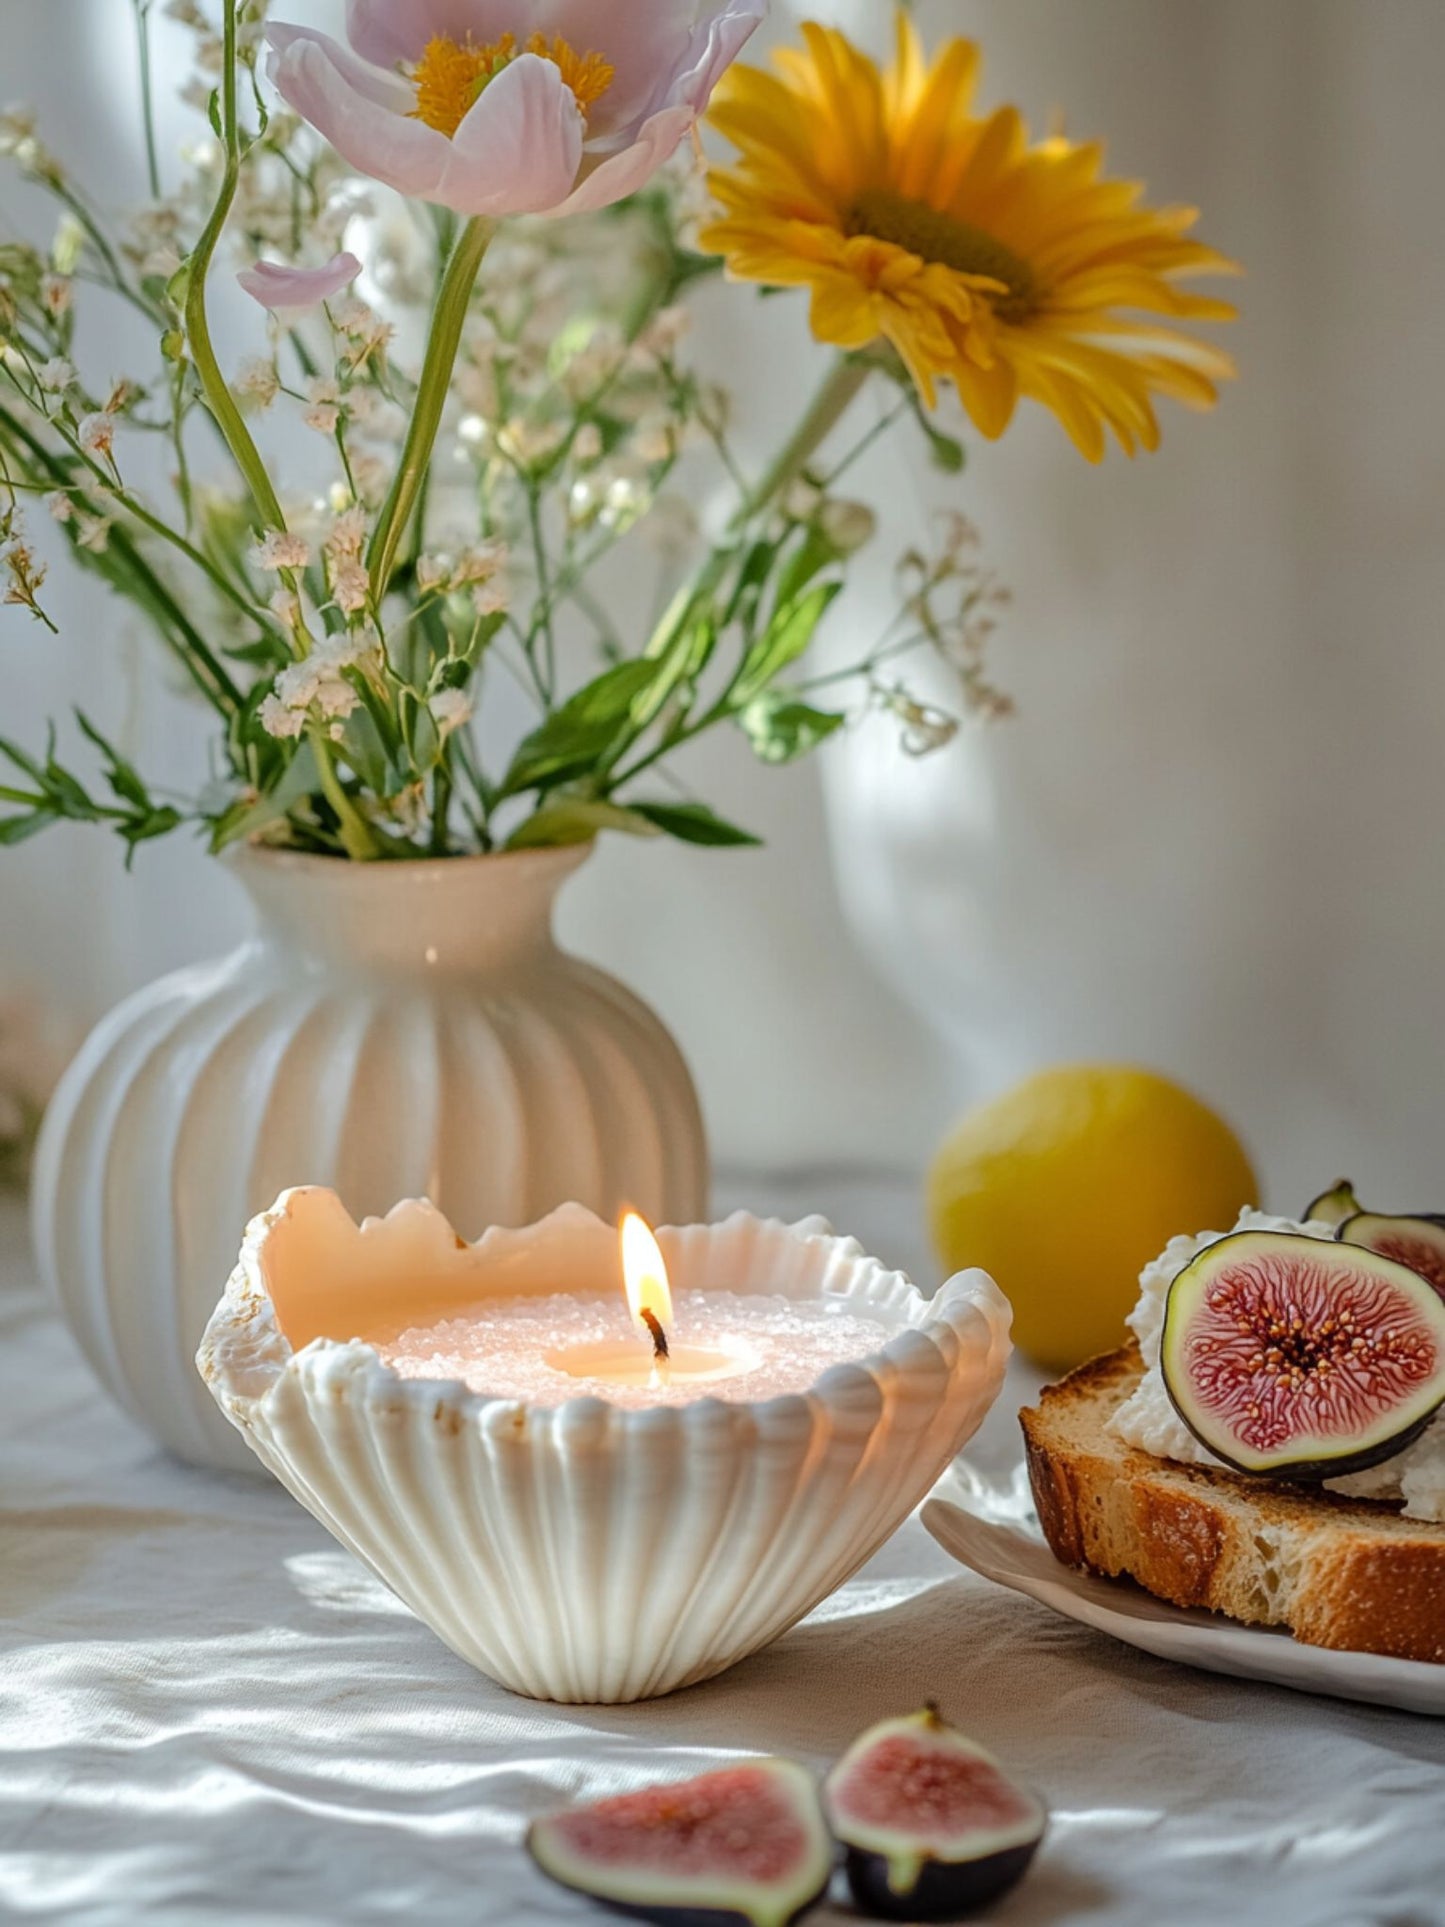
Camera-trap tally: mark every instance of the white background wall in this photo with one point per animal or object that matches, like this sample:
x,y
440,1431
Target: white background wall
x,y
1209,841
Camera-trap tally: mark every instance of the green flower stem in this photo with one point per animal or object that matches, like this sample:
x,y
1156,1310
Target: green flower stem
x,y
357,837
148,106
448,319
218,395
841,387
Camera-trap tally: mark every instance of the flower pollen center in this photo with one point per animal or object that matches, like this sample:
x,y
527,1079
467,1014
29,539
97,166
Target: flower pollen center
x,y
452,75
943,238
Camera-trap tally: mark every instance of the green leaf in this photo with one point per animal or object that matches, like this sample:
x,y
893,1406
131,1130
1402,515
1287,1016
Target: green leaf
x,y
573,740
577,820
696,823
811,557
786,638
752,579
781,730
15,829
21,759
122,776
609,697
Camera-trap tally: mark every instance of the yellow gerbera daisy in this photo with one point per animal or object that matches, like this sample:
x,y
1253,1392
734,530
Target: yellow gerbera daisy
x,y
1006,268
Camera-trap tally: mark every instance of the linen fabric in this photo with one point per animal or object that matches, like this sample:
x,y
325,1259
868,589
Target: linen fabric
x,y
211,1713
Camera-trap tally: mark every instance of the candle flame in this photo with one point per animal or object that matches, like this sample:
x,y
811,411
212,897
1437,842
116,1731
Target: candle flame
x,y
644,1276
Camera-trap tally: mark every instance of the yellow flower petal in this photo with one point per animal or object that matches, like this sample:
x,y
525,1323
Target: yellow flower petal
x,y
1008,268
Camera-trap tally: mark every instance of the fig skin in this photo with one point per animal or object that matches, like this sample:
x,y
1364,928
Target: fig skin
x,y
897,1875
1334,1206
719,1897
1378,1440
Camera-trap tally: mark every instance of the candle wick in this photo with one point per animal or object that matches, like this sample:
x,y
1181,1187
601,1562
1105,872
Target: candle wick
x,y
659,1336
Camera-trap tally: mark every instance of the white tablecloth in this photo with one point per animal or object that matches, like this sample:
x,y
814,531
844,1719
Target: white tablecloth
x,y
209,1712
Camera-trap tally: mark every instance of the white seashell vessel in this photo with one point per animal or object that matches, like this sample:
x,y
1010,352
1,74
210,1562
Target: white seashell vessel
x,y
392,1029
585,1552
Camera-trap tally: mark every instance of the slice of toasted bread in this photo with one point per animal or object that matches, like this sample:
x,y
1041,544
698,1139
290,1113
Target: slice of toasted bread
x,y
1347,1573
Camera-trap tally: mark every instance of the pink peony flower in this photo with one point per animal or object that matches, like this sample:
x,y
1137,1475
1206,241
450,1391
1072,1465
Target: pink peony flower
x,y
496,107
291,291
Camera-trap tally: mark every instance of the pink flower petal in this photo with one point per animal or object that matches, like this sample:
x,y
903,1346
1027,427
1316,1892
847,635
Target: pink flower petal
x,y
292,290
664,55
311,74
520,146
623,174
387,90
391,31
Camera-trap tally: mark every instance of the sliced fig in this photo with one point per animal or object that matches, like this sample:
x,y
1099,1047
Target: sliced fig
x,y
1332,1207
1301,1359
932,1826
1418,1242
742,1847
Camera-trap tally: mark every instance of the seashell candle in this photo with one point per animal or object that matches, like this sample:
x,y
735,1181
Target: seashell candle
x,y
590,1499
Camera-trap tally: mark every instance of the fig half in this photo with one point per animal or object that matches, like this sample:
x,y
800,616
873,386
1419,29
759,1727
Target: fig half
x,y
742,1847
1418,1242
932,1826
1295,1358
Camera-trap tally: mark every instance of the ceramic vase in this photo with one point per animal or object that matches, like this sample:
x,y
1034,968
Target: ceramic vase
x,y
390,1031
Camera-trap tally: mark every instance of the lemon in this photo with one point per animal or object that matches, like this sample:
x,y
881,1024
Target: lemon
x,y
1068,1185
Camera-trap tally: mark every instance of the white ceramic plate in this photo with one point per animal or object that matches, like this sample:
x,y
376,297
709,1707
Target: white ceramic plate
x,y
990,1528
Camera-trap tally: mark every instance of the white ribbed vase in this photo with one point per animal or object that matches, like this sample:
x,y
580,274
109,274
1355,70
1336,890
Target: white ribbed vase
x,y
589,1552
393,1030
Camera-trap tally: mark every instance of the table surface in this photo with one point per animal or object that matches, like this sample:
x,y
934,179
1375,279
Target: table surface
x,y
209,1712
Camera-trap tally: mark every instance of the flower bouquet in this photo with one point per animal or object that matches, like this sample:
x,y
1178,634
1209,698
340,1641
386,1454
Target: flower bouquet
x,y
478,230
514,401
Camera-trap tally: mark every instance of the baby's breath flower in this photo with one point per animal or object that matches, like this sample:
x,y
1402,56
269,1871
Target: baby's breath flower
x,y
94,533
58,294
258,381
60,505
925,729
530,444
55,375
432,572
324,414
479,563
281,549
655,441
17,125
451,710
161,264
371,474
594,366
473,431
279,720
492,598
24,571
348,533
286,607
665,333
96,434
847,526
350,584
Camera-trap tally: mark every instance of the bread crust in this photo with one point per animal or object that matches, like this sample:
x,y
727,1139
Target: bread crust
x,y
1344,1573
